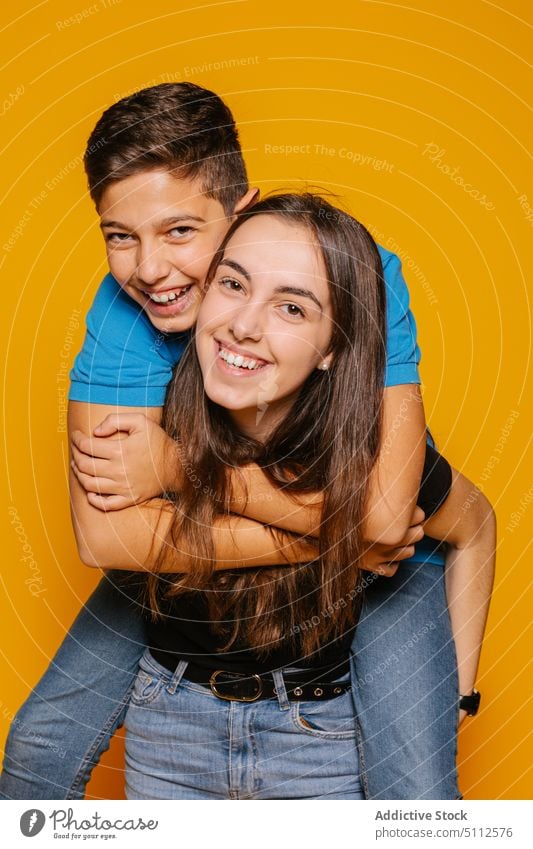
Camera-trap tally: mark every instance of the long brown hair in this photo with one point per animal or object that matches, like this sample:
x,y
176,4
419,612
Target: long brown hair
x,y
329,441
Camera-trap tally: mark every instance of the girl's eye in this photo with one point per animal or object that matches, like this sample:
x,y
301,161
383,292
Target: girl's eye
x,y
293,310
231,284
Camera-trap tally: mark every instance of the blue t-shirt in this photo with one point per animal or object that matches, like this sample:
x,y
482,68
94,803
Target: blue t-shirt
x,y
125,361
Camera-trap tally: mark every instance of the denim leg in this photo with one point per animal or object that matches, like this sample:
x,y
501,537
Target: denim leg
x,y
404,672
67,722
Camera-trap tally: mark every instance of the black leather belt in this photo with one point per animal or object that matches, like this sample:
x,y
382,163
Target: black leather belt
x,y
249,687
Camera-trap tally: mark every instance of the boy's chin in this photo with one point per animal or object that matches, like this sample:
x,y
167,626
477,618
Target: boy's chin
x,y
175,324
176,317
179,322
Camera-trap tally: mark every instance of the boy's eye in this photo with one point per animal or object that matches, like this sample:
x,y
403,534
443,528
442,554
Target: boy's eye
x,y
293,310
117,238
231,284
184,230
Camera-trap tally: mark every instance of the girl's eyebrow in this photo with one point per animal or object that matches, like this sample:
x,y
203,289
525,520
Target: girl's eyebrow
x,y
280,290
294,290
236,267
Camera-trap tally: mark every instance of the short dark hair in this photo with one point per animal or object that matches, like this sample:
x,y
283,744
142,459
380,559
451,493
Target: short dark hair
x,y
174,126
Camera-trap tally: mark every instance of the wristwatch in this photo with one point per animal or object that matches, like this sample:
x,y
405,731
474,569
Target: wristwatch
x,y
470,703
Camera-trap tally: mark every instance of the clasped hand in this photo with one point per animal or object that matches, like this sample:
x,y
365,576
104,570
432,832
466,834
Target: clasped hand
x,y
130,459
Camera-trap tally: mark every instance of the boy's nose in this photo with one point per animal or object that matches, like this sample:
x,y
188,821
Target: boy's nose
x,y
152,267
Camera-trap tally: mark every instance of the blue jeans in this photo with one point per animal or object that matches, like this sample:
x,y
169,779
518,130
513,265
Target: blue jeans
x,y
182,742
404,683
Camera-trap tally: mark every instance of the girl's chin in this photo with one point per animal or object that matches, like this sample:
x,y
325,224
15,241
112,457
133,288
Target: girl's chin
x,y
226,399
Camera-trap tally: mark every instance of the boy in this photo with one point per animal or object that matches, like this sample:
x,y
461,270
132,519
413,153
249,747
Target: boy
x,y
166,173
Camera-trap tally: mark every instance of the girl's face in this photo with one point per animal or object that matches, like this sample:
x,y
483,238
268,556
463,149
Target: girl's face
x,y
265,323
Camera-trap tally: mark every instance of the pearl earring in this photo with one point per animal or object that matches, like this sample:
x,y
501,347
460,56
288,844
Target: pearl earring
x,y
323,366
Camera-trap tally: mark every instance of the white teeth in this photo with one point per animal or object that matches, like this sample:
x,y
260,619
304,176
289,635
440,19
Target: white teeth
x,y
237,360
164,298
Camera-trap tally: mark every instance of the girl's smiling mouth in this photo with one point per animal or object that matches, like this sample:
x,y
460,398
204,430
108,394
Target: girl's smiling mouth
x,y
234,360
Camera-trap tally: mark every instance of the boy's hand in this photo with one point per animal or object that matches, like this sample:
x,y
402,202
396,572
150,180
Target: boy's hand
x,y
129,459
384,560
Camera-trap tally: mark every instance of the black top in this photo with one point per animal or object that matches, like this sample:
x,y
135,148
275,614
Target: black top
x,y
436,482
185,632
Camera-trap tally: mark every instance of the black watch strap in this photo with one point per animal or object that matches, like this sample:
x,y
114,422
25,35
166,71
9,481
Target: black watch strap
x,y
470,703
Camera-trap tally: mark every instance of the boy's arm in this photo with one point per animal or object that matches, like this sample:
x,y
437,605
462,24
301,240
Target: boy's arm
x,y
134,537
118,334
239,541
394,484
467,522
148,462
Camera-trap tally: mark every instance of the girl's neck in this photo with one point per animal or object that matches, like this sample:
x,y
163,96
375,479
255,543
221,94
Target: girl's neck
x,y
259,424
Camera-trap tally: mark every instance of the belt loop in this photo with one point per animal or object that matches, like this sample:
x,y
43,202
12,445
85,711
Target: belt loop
x,y
281,691
177,675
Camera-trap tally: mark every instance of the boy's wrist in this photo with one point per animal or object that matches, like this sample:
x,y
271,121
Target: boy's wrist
x,y
173,469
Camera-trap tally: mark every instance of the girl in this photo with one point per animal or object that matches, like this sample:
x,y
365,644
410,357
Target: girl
x,y
290,350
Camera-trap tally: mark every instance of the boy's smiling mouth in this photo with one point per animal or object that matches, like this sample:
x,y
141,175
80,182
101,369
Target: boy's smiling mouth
x,y
170,302
168,295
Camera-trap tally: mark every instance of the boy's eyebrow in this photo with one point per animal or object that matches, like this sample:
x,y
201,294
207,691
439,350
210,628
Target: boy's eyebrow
x,y
166,222
172,220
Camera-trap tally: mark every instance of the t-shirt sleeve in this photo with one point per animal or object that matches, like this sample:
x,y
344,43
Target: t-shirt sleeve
x,y
403,353
124,360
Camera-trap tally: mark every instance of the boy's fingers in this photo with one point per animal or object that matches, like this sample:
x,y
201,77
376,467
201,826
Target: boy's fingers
x,y
102,449
89,465
414,534
114,422
404,553
102,486
418,516
107,503
107,427
386,569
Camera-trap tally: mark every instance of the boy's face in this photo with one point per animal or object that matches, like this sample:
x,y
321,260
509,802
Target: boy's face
x,y
161,233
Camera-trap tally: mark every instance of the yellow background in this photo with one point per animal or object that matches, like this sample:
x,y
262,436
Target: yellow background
x,y
371,85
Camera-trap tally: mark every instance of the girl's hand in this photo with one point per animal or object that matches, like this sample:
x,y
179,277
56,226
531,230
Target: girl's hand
x,y
128,460
384,560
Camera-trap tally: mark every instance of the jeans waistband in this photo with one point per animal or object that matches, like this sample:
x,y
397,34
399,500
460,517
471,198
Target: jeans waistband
x,y
327,673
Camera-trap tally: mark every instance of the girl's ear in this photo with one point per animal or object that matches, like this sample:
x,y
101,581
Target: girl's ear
x,y
326,362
